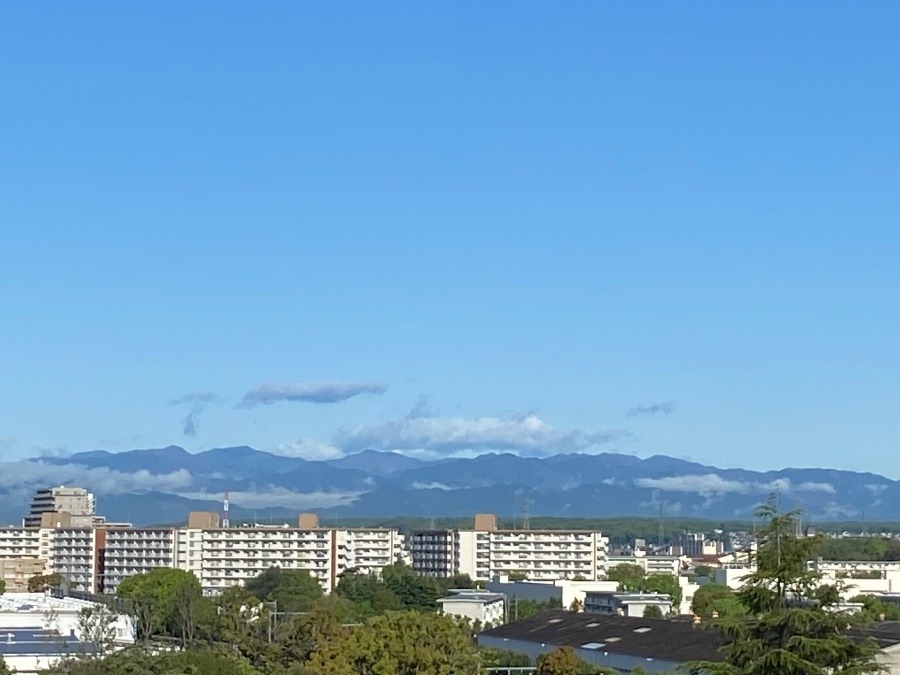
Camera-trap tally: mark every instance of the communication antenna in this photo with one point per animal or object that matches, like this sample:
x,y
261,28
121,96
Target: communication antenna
x,y
662,527
225,522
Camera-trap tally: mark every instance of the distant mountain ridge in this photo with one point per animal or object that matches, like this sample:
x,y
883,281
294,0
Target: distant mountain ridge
x,y
143,485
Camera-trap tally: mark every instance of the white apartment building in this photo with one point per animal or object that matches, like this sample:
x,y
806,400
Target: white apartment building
x,y
72,552
486,552
97,559
126,552
860,576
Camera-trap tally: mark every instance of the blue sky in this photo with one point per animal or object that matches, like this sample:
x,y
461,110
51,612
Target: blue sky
x,y
538,217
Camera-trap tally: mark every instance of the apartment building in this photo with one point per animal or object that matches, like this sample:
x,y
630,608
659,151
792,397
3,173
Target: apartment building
x,y
486,551
124,552
96,556
99,558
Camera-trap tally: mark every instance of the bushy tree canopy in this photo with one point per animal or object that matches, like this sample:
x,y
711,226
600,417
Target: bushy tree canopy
x,y
792,627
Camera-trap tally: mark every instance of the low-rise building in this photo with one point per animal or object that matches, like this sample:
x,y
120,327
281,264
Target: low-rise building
x,y
488,609
38,630
564,592
623,643
626,604
651,564
620,643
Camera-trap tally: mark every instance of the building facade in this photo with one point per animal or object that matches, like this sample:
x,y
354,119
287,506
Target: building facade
x,y
76,501
486,551
97,559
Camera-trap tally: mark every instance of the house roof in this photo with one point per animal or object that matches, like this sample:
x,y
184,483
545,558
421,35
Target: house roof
x,y
664,639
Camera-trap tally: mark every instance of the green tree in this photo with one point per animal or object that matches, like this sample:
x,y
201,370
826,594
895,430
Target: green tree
x,y
561,661
877,610
653,612
97,626
4,669
368,595
564,661
43,582
628,575
718,599
498,658
153,599
2,586
401,643
791,627
661,583
415,591
291,590
704,571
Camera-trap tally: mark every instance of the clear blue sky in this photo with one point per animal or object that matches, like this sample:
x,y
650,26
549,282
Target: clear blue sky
x,y
570,210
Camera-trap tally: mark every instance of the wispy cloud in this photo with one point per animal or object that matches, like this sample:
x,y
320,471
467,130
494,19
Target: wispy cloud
x,y
98,479
199,401
714,484
310,392
526,434
662,408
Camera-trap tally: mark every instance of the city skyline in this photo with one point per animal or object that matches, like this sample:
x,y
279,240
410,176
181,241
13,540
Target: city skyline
x,y
452,229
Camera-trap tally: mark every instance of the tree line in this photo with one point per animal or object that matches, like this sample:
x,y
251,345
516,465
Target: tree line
x,y
281,623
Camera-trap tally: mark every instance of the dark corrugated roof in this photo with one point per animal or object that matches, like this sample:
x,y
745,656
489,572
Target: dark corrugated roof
x,y
663,639
675,640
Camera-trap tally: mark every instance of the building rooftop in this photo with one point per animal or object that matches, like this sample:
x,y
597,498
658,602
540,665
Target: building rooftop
x,y
473,596
676,640
39,603
27,641
664,639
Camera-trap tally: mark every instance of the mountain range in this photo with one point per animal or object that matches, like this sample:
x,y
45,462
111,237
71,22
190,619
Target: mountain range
x,y
164,484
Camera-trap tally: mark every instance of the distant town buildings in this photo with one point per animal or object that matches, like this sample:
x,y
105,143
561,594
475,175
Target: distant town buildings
x,y
95,556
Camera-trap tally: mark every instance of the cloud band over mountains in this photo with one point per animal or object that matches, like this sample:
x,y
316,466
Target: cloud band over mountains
x,y
526,434
310,392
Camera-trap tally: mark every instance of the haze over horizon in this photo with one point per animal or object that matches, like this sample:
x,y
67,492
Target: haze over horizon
x,y
453,229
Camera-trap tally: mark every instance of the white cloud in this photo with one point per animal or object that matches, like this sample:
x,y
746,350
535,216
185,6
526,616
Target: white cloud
x,y
526,434
816,487
430,486
876,488
97,479
714,484
308,448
